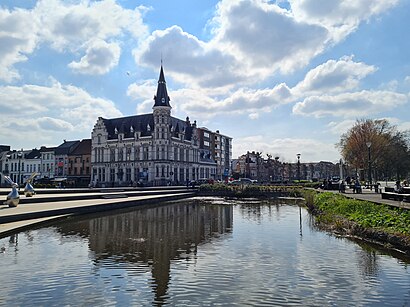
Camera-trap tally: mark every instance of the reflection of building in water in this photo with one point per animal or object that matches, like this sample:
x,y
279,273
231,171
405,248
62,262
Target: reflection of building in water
x,y
154,235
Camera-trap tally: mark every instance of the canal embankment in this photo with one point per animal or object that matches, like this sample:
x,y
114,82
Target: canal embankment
x,y
379,223
44,207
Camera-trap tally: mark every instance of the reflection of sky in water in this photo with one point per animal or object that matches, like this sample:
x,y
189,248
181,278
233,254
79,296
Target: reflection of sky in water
x,y
198,255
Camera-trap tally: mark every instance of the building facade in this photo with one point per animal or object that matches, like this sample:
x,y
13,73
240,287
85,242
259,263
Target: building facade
x,y
79,164
153,149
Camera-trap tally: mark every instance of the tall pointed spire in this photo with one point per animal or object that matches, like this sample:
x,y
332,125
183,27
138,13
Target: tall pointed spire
x,y
161,98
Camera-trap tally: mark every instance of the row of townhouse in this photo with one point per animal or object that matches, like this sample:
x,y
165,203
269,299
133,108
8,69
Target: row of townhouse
x,y
252,165
68,162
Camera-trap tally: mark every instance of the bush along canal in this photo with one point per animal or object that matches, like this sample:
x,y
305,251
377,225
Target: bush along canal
x,y
380,224
245,191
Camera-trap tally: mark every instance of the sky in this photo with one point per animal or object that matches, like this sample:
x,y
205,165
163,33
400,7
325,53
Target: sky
x,y
279,77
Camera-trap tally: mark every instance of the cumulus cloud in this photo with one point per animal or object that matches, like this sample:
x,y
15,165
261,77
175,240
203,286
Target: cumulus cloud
x,y
18,38
340,18
68,27
259,33
252,40
354,104
45,112
99,59
199,104
189,60
338,128
333,77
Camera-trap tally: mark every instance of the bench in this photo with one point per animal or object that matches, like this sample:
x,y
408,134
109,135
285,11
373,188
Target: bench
x,y
390,194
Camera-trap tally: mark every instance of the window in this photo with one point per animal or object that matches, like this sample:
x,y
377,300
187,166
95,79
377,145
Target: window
x,y
206,134
181,154
187,155
137,153
120,154
112,155
206,143
176,153
145,152
128,151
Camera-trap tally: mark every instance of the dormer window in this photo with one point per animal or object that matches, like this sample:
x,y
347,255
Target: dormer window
x,y
115,130
132,129
163,100
148,128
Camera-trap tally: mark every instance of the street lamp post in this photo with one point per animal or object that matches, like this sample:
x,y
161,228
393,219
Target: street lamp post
x,y
19,156
369,144
298,155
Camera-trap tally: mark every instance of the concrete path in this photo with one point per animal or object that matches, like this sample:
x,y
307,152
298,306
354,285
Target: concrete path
x,y
24,215
370,195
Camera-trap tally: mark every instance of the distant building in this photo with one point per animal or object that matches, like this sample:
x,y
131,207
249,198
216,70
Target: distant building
x,y
154,148
61,154
220,149
79,164
252,165
47,163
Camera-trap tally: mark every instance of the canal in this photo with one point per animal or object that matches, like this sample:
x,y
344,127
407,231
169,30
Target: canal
x,y
198,252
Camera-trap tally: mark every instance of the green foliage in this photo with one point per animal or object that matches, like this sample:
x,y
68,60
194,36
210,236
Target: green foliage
x,y
251,189
364,213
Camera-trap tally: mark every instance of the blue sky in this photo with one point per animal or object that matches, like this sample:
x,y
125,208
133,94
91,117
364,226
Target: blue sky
x,y
281,77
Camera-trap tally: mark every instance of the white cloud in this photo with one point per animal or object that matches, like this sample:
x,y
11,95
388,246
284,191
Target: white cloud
x,y
100,58
189,60
258,33
333,77
253,115
355,104
49,112
338,128
339,17
67,27
54,124
201,105
70,26
18,39
143,90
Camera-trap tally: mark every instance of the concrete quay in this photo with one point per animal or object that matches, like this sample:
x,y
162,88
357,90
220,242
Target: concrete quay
x,y
373,197
46,207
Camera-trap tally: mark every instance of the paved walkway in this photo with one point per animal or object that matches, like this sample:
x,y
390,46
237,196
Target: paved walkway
x,y
370,195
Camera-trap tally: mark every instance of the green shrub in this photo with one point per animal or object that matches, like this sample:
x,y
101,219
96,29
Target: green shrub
x,y
364,213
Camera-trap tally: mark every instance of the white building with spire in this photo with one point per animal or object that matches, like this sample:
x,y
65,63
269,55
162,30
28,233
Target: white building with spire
x,y
154,149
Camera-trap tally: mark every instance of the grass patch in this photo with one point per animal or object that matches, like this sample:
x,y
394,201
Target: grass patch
x,y
330,207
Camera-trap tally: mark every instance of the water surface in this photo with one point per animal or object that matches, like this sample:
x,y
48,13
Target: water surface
x,y
199,252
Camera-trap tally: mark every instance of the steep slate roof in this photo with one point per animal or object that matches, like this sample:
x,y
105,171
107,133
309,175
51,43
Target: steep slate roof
x,y
139,123
46,149
34,154
161,98
66,148
84,148
123,125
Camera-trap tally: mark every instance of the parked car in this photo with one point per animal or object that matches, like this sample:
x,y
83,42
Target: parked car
x,y
244,181
198,182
